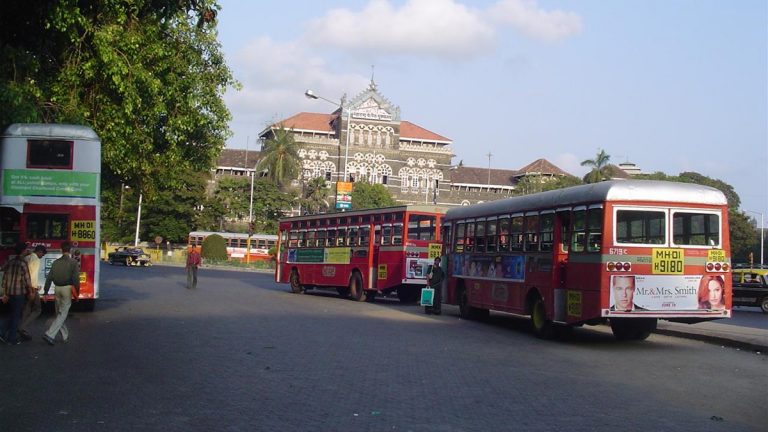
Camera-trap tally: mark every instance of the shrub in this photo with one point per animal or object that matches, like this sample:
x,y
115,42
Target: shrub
x,y
214,248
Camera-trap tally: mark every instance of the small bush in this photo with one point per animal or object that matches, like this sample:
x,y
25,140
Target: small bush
x,y
214,248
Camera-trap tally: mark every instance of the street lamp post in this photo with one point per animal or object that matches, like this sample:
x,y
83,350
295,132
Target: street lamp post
x,y
311,95
762,234
138,222
250,224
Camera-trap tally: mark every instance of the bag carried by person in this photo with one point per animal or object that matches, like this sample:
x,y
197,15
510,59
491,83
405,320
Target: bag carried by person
x,y
427,296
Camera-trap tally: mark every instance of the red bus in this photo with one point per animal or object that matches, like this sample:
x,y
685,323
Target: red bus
x,y
627,252
237,244
50,175
360,253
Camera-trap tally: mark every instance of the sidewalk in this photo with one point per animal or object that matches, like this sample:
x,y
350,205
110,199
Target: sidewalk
x,y
746,338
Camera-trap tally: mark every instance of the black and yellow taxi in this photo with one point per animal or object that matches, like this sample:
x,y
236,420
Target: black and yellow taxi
x,y
750,287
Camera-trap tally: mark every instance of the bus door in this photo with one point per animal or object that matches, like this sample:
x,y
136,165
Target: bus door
x,y
562,232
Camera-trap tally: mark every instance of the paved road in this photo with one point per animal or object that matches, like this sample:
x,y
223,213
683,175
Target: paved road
x,y
242,354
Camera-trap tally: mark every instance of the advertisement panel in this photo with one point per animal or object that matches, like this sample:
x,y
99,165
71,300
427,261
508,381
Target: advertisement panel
x,y
666,292
343,195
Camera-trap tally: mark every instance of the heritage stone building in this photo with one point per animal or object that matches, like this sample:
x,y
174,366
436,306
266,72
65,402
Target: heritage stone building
x,y
368,136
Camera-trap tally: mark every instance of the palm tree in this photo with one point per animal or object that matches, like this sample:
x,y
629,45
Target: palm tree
x,y
598,165
280,157
315,196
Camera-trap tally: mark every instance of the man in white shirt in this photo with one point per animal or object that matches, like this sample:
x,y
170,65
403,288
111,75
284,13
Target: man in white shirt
x,y
33,308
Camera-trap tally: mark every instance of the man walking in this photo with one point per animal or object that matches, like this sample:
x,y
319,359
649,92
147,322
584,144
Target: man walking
x,y
32,308
193,262
64,274
17,288
435,277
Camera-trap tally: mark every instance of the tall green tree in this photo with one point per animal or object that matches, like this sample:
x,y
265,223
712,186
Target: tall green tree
x,y
366,195
147,75
598,165
280,157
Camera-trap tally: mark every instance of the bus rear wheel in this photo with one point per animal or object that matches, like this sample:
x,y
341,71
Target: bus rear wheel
x,y
543,327
356,288
633,328
296,287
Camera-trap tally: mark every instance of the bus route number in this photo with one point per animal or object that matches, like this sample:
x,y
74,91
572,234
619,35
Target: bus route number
x,y
83,230
668,261
435,250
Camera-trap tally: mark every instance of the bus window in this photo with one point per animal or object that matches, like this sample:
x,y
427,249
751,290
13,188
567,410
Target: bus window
x,y
503,230
54,154
302,239
595,229
490,236
469,237
341,237
565,230
696,229
445,236
532,233
284,238
547,232
480,236
311,238
365,235
516,234
321,234
579,234
47,226
261,244
640,226
352,239
377,235
421,227
331,239
459,246
386,235
294,239
397,234
9,226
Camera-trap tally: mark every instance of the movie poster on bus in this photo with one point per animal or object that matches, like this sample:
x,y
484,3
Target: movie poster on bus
x,y
666,292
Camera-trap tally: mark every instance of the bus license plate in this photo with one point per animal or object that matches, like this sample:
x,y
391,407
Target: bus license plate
x,y
668,261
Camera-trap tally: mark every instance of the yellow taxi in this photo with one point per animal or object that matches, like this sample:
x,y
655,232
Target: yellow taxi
x,y
750,287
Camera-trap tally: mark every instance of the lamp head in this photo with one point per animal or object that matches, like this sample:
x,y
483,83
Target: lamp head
x,y
310,94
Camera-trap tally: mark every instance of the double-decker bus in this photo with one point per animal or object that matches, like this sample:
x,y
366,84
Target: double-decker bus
x,y
360,253
50,175
237,244
627,252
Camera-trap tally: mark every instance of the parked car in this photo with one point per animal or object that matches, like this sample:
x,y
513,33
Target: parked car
x,y
750,287
129,256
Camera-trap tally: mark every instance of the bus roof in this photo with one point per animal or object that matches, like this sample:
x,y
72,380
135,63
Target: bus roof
x,y
45,130
615,190
424,208
233,235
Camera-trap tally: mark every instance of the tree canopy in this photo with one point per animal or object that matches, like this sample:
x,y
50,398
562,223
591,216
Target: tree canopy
x,y
598,165
280,157
366,195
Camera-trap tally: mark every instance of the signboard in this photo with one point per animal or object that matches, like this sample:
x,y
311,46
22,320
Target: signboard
x,y
22,182
343,195
435,250
665,292
382,273
305,255
337,255
667,261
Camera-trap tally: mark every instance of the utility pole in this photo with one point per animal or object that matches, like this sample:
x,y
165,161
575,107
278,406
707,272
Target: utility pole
x,y
489,167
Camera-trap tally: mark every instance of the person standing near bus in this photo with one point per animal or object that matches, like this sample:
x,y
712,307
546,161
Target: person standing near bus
x,y
17,289
193,262
65,275
435,277
33,307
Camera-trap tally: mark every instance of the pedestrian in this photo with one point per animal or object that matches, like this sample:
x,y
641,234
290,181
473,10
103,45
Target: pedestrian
x,y
65,276
193,262
32,308
17,289
435,277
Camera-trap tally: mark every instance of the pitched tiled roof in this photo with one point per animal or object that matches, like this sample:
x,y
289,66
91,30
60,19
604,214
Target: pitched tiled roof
x,y
322,123
236,158
471,175
541,166
409,130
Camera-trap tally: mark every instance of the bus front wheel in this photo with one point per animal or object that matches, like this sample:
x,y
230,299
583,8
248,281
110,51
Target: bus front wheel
x,y
296,287
470,312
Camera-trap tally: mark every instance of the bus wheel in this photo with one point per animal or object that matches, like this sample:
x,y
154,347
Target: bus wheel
x,y
542,327
296,287
764,304
356,287
470,312
633,328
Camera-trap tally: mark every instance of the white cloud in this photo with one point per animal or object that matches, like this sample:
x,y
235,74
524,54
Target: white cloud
x,y
534,22
436,28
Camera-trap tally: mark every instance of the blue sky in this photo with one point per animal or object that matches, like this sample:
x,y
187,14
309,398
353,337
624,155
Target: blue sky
x,y
673,85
